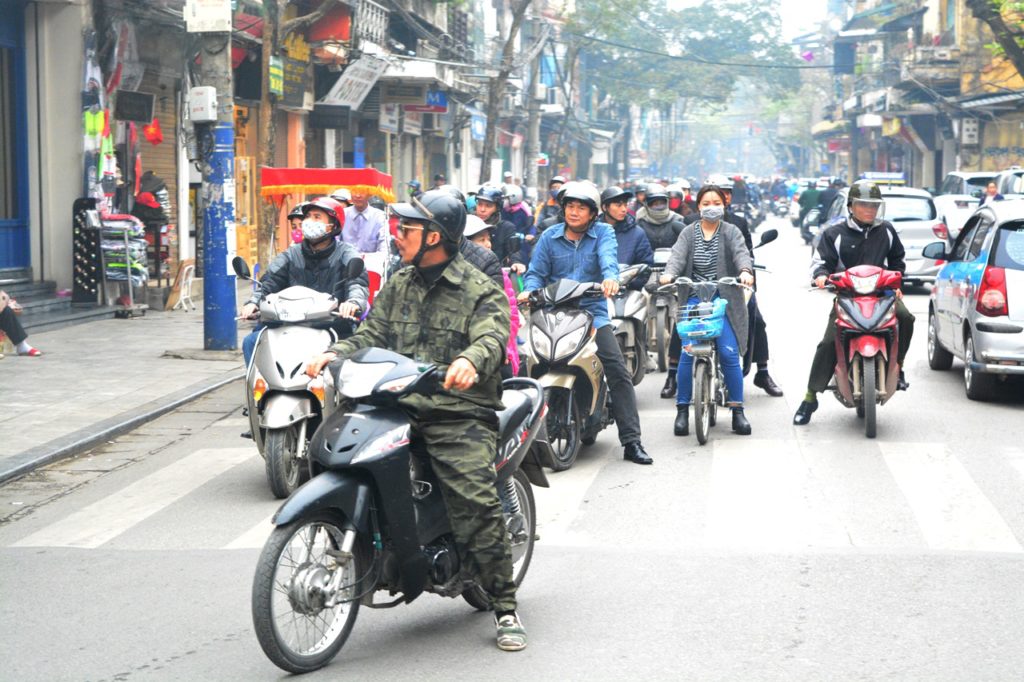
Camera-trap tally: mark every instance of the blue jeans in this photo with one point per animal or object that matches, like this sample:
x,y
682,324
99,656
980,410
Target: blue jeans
x,y
728,358
249,344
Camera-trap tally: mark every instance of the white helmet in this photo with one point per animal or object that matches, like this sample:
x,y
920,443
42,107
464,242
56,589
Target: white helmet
x,y
342,194
513,194
474,226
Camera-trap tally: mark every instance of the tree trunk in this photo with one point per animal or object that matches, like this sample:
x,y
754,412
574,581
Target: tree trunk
x,y
990,12
267,233
496,91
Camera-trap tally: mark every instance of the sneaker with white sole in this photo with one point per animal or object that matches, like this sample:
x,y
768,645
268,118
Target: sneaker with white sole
x,y
511,634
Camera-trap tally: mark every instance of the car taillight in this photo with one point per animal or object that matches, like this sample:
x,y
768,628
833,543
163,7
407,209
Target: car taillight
x,y
941,231
992,293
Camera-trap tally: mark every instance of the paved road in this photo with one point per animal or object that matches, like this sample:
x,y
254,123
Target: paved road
x,y
792,554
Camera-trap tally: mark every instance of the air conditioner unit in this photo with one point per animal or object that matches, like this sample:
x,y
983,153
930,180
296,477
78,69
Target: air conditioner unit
x,y
509,105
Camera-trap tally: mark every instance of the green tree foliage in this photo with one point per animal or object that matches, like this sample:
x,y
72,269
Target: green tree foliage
x,y
1006,19
646,54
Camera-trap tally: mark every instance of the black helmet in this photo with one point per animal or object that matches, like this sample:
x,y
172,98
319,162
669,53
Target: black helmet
x,y
454,191
864,190
655,191
440,210
494,195
614,193
297,211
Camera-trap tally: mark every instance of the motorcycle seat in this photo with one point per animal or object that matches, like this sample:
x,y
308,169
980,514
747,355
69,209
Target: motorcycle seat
x,y
518,404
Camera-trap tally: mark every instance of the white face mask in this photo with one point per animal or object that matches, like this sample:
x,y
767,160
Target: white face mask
x,y
314,230
712,213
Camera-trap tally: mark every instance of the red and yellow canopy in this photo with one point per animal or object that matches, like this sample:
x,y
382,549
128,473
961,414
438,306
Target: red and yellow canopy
x,y
279,182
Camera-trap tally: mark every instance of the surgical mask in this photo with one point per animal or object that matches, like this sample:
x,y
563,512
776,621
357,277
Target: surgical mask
x,y
554,194
712,214
314,230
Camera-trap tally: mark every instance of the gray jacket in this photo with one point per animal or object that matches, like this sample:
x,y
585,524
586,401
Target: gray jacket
x,y
733,258
322,271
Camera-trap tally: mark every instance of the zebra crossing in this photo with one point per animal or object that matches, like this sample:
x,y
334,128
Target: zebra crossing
x,y
750,494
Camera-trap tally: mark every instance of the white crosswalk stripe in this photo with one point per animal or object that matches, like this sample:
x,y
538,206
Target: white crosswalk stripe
x,y
758,494
105,519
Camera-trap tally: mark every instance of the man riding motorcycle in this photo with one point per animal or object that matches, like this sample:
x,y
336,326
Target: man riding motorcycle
x,y
489,202
584,250
442,310
864,238
318,262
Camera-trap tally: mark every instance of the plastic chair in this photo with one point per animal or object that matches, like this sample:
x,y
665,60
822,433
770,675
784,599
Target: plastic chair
x,y
185,295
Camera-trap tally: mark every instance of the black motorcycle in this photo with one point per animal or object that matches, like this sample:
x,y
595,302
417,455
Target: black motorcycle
x,y
372,517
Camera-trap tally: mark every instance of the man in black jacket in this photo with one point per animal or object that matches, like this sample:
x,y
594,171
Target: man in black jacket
x,y
863,239
319,262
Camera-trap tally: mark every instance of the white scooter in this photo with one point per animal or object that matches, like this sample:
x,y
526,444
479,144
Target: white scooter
x,y
285,406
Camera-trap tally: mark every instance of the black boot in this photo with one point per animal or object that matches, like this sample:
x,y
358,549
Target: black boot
x,y
902,384
740,425
669,390
764,381
682,425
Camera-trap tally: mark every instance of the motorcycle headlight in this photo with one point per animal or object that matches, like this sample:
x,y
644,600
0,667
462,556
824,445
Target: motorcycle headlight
x,y
541,343
568,343
845,317
889,314
864,285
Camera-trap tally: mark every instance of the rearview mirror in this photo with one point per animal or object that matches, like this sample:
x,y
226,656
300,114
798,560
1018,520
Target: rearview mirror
x,y
240,267
514,243
354,268
768,236
935,251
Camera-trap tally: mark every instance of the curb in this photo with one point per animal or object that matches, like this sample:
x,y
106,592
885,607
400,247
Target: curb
x,y
89,437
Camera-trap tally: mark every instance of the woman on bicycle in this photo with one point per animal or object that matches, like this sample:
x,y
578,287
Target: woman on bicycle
x,y
706,251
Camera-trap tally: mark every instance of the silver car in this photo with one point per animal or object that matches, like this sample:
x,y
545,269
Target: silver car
x,y
976,312
912,212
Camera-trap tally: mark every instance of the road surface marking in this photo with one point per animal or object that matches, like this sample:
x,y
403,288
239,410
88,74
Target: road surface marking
x,y
107,518
762,495
952,511
255,537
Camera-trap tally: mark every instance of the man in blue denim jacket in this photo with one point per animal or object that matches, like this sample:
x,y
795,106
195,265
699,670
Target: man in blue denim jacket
x,y
585,250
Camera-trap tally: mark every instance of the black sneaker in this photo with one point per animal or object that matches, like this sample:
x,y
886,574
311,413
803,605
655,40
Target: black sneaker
x,y
804,412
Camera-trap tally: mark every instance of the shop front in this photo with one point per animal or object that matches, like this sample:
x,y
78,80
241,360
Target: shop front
x,y
14,225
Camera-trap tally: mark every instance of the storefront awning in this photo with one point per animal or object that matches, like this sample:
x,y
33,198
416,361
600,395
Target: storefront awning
x,y
1011,99
829,128
887,18
278,182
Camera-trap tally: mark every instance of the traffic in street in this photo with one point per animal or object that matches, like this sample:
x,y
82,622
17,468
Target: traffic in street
x,y
798,552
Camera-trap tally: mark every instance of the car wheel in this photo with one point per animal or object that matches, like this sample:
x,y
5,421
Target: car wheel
x,y
938,357
978,385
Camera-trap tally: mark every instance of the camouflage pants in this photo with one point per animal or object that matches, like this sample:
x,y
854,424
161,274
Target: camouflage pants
x,y
462,456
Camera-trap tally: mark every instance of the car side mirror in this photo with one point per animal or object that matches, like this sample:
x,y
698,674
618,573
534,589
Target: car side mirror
x,y
935,251
241,268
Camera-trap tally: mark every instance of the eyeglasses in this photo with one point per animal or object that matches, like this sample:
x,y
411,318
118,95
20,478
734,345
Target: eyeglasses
x,y
407,227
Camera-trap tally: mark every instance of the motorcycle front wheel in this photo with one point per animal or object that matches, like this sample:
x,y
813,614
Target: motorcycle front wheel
x,y
285,470
702,399
662,332
564,428
520,540
295,624
869,399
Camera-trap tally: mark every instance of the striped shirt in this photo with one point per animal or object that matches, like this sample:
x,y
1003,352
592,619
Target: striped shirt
x,y
705,255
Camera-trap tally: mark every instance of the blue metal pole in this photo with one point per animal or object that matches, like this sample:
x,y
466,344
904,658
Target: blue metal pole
x,y
220,331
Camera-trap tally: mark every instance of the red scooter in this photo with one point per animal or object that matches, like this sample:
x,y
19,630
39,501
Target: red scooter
x,y
867,335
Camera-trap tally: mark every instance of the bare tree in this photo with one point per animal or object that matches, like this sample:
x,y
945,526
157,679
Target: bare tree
x,y
497,86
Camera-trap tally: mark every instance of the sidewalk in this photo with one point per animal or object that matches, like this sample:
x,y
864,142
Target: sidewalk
x,y
100,379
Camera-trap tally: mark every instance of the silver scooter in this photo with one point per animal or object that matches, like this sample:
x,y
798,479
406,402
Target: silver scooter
x,y
661,312
628,312
285,406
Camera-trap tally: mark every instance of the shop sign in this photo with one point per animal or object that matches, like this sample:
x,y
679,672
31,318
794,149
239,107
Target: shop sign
x,y
477,125
276,76
869,121
891,127
355,83
436,103
402,94
296,82
840,144
389,115
208,16
543,160
412,123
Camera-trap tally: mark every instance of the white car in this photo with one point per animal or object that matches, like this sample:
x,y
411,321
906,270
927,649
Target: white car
x,y
958,197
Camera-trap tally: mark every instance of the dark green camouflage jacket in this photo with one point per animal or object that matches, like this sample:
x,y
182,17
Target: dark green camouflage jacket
x,y
463,314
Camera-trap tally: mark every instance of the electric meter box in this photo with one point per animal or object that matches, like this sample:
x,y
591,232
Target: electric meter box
x,y
202,104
